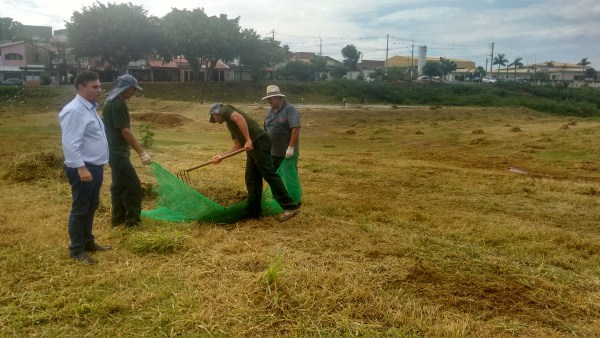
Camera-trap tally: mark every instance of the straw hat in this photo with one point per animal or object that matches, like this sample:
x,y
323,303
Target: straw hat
x,y
272,91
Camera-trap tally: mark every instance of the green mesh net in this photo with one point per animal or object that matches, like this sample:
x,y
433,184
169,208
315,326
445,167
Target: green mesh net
x,y
178,202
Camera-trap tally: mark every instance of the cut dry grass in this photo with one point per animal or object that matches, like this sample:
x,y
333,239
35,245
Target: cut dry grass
x,y
402,233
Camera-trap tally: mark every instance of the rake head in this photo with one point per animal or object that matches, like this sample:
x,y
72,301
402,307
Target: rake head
x,y
184,176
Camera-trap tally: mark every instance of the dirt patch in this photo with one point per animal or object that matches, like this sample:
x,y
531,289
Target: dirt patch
x,y
35,166
162,119
487,296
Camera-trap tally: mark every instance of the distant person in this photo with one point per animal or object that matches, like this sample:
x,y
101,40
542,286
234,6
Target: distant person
x,y
282,123
246,133
86,152
126,188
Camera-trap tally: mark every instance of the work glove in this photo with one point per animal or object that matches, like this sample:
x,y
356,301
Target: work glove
x,y
289,153
145,158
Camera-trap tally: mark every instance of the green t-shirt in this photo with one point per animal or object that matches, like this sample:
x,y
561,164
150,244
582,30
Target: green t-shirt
x,y
115,116
254,129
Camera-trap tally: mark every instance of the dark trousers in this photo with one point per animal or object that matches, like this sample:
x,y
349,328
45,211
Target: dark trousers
x,y
259,165
86,198
126,193
277,161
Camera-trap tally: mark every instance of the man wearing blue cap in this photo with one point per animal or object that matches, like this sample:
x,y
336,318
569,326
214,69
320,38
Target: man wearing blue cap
x,y
246,133
126,189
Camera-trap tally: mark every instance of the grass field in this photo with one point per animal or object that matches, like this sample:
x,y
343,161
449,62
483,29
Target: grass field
x,y
419,222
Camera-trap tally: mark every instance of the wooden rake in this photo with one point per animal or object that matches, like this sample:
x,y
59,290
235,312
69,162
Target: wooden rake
x,y
184,175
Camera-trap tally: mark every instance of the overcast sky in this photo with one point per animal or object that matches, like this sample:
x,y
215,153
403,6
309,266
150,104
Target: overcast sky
x,y
536,30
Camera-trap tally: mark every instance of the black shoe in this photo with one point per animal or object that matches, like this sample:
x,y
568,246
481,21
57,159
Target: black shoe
x,y
84,258
95,247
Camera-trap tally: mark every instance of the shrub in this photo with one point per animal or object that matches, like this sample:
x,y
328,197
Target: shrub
x,y
45,79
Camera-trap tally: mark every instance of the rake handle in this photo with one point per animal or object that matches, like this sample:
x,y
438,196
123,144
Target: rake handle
x,y
233,153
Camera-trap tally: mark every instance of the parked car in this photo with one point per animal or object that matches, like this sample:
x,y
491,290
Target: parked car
x,y
13,82
476,79
423,78
489,79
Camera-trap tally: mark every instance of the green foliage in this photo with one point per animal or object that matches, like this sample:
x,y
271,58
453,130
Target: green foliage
x,y
447,66
590,73
500,60
433,69
517,64
273,271
11,30
204,40
45,79
298,70
147,134
351,57
256,53
339,71
9,91
160,240
118,33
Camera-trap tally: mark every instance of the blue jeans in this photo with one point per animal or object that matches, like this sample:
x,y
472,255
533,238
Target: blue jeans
x,y
86,198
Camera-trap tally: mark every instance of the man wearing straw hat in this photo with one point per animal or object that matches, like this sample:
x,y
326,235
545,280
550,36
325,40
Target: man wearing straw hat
x,y
282,123
126,189
247,133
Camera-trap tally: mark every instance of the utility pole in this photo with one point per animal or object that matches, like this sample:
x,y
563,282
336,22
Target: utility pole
x,y
492,60
273,66
387,45
412,55
320,47
486,64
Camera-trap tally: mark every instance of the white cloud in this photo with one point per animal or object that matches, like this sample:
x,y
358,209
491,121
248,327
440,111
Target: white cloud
x,y
421,14
553,29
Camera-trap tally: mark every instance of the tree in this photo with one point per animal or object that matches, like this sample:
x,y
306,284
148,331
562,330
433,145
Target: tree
x,y
433,69
584,63
256,53
339,71
447,66
298,70
499,60
223,39
480,71
118,33
351,57
320,65
11,30
187,30
201,39
517,64
590,73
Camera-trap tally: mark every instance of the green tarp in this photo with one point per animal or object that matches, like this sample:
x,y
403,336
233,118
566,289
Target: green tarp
x,y
178,202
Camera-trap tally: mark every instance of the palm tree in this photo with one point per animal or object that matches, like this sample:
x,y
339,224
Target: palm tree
x,y
500,61
584,63
517,64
